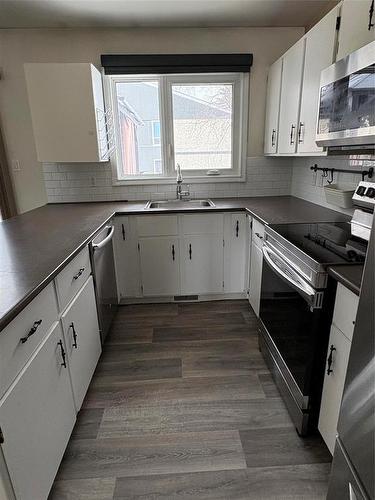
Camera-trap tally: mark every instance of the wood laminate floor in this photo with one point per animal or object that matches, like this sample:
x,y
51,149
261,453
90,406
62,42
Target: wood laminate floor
x,y
182,406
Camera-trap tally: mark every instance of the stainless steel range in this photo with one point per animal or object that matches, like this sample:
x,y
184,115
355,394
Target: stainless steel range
x,y
296,307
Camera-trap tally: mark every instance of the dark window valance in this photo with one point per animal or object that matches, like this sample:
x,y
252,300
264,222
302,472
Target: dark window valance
x,y
124,64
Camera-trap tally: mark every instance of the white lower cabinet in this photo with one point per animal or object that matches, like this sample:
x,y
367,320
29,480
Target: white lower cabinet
x,y
334,380
37,416
235,252
184,254
201,264
82,339
255,274
159,259
344,315
127,257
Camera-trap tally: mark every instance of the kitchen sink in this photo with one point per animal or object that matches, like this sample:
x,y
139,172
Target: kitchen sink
x,y
178,204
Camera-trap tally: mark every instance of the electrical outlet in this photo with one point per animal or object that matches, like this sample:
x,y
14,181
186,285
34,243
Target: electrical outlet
x,y
16,165
93,181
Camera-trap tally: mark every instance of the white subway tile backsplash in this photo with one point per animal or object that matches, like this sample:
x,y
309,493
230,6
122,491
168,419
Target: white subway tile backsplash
x,y
310,186
93,182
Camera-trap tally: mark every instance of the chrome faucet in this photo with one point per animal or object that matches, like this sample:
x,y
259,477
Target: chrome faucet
x,y
180,194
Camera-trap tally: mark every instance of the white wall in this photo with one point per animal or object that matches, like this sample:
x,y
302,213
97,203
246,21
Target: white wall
x,y
86,45
309,185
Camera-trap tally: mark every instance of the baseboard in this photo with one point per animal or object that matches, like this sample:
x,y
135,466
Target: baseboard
x,y
171,298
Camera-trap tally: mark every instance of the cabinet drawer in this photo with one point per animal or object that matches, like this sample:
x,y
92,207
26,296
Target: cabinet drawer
x,y
258,233
202,224
35,320
70,280
157,225
345,311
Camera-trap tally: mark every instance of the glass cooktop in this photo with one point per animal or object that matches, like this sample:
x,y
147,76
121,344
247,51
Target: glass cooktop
x,y
326,243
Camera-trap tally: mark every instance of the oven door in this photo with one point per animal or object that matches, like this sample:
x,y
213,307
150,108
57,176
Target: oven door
x,y
290,313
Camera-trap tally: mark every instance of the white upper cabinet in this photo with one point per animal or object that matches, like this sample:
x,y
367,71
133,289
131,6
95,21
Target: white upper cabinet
x,y
67,112
273,107
319,53
290,97
292,106
356,28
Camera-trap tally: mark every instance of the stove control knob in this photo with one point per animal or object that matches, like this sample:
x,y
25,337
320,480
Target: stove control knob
x,y
361,190
370,192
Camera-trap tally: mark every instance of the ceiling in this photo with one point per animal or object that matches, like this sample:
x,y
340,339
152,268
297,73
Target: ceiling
x,y
160,13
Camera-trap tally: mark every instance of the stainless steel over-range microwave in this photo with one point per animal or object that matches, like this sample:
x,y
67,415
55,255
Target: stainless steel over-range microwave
x,y
346,115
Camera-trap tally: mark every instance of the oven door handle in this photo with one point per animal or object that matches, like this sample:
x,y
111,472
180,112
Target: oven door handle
x,y
288,274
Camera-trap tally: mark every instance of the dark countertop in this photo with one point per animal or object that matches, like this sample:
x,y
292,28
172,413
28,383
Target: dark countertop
x,y
35,246
350,275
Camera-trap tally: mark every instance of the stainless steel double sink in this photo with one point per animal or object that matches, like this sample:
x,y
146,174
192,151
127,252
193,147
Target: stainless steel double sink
x,y
178,204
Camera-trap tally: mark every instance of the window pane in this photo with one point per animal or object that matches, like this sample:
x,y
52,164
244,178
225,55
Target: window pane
x,y
139,128
202,125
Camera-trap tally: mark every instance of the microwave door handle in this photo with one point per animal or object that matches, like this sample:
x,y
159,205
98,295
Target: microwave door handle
x,y
307,290
106,240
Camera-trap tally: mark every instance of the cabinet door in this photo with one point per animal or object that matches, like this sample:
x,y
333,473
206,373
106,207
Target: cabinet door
x,y
159,266
235,252
202,264
273,107
319,53
345,311
337,361
354,28
255,277
290,97
82,338
127,257
63,113
37,416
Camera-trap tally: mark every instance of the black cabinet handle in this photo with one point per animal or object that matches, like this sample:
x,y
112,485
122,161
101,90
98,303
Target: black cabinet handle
x,y
33,329
173,252
74,335
273,142
190,251
292,134
63,354
76,276
300,140
123,231
370,16
237,228
330,359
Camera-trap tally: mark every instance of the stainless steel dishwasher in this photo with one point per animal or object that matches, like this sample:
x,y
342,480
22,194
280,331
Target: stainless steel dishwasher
x,y
103,267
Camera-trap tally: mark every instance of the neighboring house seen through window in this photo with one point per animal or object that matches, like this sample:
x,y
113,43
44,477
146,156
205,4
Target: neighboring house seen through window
x,y
198,121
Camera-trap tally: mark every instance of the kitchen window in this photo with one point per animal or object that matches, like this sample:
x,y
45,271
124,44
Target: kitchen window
x,y
196,120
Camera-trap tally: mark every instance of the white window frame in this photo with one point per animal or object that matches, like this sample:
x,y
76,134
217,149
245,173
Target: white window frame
x,y
154,142
237,173
155,162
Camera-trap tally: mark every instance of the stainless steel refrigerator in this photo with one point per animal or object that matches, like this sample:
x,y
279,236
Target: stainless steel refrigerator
x,y
353,468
